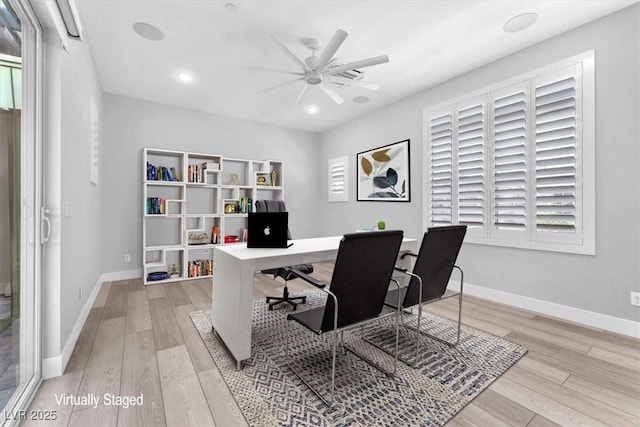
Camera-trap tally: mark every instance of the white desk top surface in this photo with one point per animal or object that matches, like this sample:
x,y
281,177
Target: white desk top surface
x,y
300,246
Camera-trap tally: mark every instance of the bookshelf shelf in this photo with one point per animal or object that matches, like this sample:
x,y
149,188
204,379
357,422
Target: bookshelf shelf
x,y
191,191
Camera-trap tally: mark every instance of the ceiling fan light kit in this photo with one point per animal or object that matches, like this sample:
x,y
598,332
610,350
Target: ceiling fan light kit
x,y
329,73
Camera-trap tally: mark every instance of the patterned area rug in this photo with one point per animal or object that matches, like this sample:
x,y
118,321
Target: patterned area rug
x,y
443,381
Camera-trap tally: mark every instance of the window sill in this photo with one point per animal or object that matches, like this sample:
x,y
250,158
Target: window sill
x,y
584,249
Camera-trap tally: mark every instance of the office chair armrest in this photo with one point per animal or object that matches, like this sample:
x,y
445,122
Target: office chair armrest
x,y
406,254
307,278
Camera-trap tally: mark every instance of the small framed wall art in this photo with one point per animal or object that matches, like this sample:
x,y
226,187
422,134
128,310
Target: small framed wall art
x,y
383,173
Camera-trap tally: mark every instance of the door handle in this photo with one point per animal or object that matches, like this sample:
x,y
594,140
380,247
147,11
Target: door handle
x,y
45,220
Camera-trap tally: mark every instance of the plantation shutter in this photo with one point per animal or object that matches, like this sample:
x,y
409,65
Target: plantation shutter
x,y
338,191
471,131
440,143
556,144
510,160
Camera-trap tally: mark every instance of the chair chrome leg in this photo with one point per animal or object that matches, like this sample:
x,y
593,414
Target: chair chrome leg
x,y
333,364
459,303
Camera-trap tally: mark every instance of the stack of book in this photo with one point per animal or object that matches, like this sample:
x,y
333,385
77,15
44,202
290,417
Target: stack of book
x,y
201,267
161,173
156,206
196,173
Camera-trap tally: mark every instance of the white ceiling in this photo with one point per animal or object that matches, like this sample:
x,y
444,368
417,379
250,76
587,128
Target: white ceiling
x,y
229,53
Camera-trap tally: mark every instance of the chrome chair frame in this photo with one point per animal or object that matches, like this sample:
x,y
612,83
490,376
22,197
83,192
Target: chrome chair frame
x,y
334,344
421,305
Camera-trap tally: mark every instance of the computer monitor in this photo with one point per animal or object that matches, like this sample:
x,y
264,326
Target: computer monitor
x,y
268,230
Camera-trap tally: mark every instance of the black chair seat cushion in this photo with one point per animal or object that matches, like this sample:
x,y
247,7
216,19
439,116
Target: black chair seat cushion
x,y
286,274
310,319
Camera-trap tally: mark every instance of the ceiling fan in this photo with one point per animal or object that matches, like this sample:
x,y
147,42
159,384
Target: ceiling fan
x,y
324,69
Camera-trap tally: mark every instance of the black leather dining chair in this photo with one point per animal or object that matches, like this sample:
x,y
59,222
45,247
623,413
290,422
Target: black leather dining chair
x,y
433,266
362,272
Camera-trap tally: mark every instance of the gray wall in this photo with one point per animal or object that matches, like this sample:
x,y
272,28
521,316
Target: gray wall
x,y
131,125
73,255
600,284
81,235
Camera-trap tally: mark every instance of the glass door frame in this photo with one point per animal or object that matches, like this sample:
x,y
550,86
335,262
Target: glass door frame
x,y
31,168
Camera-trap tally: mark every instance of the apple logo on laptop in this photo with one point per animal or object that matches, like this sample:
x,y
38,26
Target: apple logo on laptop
x,y
267,231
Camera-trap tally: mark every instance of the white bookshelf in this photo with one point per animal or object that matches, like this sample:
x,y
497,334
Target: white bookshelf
x,y
199,192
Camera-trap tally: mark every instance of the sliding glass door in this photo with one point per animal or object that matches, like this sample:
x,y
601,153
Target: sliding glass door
x,y
20,201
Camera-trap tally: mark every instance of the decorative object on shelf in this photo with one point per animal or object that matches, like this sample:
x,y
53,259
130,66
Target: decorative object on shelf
x,y
231,239
230,208
157,275
383,173
215,232
274,178
174,270
211,166
233,179
261,180
198,238
381,225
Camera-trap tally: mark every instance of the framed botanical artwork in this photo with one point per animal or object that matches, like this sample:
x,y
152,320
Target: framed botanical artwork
x,y
383,173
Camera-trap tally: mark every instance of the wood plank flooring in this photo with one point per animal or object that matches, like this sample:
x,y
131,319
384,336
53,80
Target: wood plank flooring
x,y
140,340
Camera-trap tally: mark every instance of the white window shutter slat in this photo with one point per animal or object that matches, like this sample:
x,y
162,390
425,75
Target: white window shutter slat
x,y
338,180
471,169
440,137
510,160
555,155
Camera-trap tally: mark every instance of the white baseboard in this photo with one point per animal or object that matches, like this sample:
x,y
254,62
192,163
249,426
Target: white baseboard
x,y
585,317
55,366
52,367
121,275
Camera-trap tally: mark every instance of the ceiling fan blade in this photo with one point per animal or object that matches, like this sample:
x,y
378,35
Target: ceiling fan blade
x,y
278,86
355,83
358,64
272,70
334,44
332,93
302,93
297,60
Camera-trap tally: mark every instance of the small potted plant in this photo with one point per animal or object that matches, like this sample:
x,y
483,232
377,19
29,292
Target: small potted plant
x,y
381,225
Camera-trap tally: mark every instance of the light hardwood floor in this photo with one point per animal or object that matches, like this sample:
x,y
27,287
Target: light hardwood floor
x,y
140,339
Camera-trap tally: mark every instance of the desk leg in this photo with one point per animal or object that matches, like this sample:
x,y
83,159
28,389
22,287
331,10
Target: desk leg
x,y
231,304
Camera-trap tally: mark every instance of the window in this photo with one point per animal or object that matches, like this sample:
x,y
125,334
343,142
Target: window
x,y
338,182
515,162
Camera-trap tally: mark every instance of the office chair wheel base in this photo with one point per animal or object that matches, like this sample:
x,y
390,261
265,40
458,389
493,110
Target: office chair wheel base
x,y
286,298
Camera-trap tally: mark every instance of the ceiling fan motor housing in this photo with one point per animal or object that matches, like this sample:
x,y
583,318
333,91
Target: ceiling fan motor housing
x,y
313,77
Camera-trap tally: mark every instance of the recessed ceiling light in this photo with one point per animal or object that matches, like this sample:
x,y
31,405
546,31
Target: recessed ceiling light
x,y
184,77
361,99
148,31
520,22
312,109
231,7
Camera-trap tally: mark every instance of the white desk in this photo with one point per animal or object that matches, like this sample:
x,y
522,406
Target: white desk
x,y
232,291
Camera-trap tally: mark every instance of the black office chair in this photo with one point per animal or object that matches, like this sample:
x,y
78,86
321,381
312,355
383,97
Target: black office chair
x,y
360,281
432,270
283,272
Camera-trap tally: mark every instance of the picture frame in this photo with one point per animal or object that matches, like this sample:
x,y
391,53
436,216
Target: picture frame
x,y
384,173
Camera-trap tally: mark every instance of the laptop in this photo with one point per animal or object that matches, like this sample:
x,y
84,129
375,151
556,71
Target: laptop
x,y
268,230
